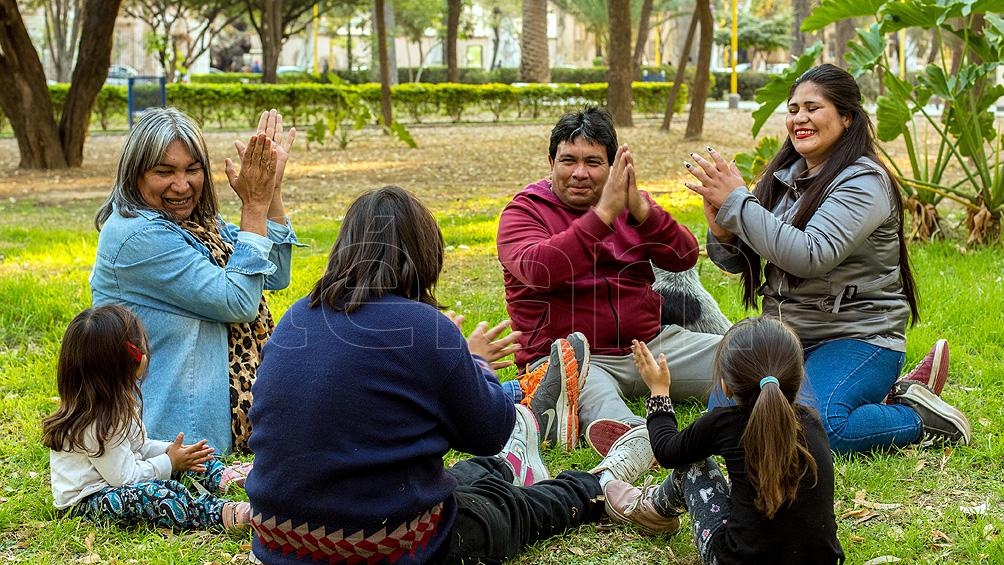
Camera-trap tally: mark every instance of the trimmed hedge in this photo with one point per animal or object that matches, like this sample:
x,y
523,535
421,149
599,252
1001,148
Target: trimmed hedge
x,y
236,105
747,84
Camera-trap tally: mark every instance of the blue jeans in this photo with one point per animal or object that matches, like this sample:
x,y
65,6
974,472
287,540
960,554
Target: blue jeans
x,y
847,380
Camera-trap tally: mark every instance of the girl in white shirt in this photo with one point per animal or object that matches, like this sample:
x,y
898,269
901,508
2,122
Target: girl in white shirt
x,y
102,464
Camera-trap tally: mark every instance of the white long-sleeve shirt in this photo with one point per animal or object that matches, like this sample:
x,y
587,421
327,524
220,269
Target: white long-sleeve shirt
x,y
76,475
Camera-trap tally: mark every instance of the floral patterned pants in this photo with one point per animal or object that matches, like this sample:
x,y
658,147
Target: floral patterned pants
x,y
167,504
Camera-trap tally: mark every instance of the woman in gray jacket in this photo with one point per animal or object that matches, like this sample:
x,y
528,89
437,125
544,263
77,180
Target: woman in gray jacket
x,y
820,238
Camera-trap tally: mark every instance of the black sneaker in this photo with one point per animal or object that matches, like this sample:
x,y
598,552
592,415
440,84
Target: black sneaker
x,y
555,402
943,423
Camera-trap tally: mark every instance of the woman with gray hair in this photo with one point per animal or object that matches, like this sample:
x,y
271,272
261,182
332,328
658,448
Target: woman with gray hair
x,y
194,280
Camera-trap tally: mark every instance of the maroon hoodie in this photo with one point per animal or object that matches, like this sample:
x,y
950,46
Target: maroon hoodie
x,y
565,271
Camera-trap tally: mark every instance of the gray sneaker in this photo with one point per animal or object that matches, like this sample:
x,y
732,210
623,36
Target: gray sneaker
x,y
522,452
629,457
943,423
555,402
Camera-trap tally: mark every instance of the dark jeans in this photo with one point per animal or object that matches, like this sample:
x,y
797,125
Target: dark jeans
x,y
496,519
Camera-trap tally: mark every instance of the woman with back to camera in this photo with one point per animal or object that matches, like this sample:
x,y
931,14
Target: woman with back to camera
x,y
194,280
820,238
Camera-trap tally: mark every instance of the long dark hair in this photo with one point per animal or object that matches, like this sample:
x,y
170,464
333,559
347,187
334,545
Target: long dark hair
x,y
773,440
97,381
840,88
389,243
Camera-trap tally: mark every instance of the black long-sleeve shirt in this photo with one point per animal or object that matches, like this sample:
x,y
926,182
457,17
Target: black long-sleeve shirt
x,y
804,531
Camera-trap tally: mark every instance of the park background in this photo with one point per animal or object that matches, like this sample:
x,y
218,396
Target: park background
x,y
465,147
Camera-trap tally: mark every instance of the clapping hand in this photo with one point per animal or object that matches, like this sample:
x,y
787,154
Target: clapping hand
x,y
486,342
255,182
718,180
655,375
270,124
189,457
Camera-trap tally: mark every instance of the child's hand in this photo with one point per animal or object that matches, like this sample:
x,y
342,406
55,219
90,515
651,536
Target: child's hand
x,y
655,375
189,457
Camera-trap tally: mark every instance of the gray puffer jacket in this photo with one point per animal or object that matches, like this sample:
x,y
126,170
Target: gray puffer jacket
x,y
847,257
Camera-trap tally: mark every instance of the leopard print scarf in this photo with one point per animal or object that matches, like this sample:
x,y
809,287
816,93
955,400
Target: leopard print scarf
x,y
245,341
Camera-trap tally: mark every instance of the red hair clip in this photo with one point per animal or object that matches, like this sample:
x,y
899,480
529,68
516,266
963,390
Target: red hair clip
x,y
134,352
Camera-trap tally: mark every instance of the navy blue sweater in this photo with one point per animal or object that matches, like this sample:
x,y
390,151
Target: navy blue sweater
x,y
353,414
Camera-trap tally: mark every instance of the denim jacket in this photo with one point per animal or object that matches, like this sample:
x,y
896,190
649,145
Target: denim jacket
x,y
847,257
168,278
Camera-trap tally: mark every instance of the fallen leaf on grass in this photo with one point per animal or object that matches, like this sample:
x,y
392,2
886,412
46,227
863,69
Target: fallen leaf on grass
x,y
937,535
883,559
856,538
990,532
876,505
577,551
856,513
920,465
984,422
864,519
92,558
978,510
89,542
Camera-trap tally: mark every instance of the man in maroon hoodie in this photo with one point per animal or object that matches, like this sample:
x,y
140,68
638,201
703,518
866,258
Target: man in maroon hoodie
x,y
575,251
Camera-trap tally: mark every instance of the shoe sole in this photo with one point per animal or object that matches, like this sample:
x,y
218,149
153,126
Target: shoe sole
x,y
567,406
939,374
939,406
533,460
602,433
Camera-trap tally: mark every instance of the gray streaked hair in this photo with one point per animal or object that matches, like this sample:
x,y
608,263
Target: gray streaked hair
x,y
143,150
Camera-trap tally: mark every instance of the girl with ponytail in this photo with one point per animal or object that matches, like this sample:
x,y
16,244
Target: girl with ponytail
x,y
779,505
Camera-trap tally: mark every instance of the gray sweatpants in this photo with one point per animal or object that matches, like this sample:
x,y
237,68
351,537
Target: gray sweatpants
x,y
612,378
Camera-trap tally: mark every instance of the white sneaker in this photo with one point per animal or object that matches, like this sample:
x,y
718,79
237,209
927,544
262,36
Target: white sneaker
x,y
522,452
629,457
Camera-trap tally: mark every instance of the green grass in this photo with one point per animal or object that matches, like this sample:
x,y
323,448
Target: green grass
x,y
46,256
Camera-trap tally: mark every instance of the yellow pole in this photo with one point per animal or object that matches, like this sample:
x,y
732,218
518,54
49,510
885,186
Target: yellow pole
x,y
317,26
735,46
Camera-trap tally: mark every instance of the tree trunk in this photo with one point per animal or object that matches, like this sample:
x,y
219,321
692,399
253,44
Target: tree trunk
x,y
684,57
496,34
699,95
381,25
619,74
844,33
25,97
62,32
534,65
452,31
799,11
271,39
639,45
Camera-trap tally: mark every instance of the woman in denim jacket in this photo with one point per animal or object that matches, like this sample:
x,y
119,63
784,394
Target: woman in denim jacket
x,y
821,240
194,280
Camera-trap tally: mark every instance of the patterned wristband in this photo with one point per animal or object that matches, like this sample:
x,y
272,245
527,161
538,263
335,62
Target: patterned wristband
x,y
657,404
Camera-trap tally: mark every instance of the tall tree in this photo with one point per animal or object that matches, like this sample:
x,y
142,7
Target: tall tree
x,y
276,21
386,110
42,142
667,119
699,94
619,74
644,19
452,31
799,39
414,18
534,64
182,30
62,33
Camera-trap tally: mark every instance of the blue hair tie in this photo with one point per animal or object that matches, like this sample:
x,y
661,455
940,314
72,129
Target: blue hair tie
x,y
768,379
